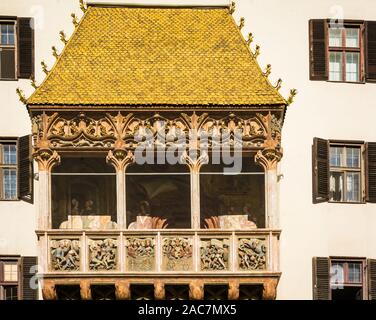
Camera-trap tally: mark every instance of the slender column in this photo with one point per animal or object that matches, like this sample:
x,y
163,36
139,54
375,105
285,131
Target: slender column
x,y
195,164
46,160
269,159
120,159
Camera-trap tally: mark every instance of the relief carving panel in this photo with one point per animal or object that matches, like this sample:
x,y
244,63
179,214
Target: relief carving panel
x,y
103,254
140,254
65,255
252,254
214,254
177,254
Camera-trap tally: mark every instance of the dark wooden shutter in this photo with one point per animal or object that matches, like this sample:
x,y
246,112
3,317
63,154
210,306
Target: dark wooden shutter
x,y
318,49
25,169
371,266
370,158
28,281
370,51
321,278
320,170
7,63
25,48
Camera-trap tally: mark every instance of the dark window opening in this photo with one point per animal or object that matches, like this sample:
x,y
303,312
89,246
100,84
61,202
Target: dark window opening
x,y
68,292
161,191
84,194
177,292
241,195
215,292
103,292
142,291
250,292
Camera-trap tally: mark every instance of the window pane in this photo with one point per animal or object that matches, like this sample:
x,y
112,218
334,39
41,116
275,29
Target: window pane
x,y
336,156
10,155
10,272
337,275
355,273
353,157
7,34
352,66
335,37
335,66
10,184
4,39
352,38
336,186
10,293
237,200
353,186
157,195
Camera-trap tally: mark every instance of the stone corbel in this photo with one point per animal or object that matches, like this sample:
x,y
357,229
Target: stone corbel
x,y
268,158
85,290
46,159
233,290
48,290
270,289
196,290
159,290
120,159
122,290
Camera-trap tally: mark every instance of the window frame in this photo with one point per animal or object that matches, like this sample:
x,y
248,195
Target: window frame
x,y
9,140
11,20
345,169
347,24
346,261
15,260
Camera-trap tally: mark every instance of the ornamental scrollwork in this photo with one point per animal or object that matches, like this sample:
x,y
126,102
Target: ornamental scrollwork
x,y
140,254
127,131
177,254
252,254
103,254
214,254
65,255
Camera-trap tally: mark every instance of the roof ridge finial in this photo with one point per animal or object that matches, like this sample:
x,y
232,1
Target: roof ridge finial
x,y
257,52
63,37
279,84
293,93
241,23
44,67
74,20
33,84
54,52
21,95
83,6
250,38
232,7
268,70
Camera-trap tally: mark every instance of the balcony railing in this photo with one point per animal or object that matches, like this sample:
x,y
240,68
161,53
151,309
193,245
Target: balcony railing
x,y
166,251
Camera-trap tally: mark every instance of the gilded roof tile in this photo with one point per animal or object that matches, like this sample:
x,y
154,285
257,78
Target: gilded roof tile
x,y
156,56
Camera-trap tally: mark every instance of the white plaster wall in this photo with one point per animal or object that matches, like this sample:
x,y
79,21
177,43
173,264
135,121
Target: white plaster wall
x,y
327,110
321,109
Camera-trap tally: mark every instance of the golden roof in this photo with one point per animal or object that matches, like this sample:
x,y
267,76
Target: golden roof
x,y
156,56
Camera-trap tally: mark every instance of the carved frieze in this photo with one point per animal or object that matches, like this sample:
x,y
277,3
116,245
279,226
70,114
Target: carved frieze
x,y
252,254
140,254
214,254
128,131
65,255
177,254
103,254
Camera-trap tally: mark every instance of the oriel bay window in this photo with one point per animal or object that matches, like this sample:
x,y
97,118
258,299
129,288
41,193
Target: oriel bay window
x,y
83,194
158,196
343,171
